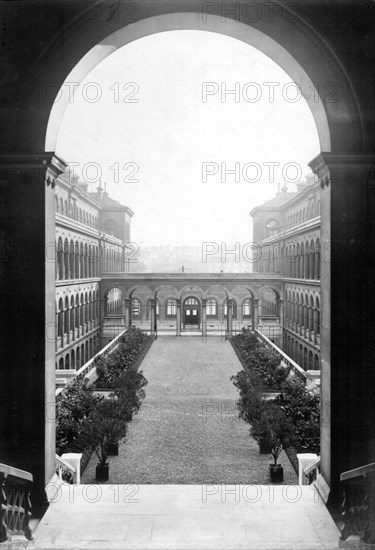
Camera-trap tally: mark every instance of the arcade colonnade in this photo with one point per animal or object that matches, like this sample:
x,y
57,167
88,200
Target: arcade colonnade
x,y
231,302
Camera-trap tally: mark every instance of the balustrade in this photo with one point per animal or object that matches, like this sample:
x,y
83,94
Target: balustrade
x,y
15,503
65,470
295,368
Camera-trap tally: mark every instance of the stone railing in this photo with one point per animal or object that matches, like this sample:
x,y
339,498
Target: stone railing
x,y
15,503
68,467
358,507
294,367
309,474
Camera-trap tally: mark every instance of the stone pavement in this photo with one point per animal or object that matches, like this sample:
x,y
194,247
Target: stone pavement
x,y
179,517
188,430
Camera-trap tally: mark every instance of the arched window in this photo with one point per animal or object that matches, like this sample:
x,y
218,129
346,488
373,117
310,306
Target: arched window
x,y
61,364
86,311
302,262
317,259
60,319
71,260
66,259
311,314
60,260
311,360
311,261
85,261
66,316
272,228
76,261
211,307
317,316
81,269
72,320
136,308
298,263
306,262
76,313
67,362
171,308
246,307
305,313
81,311
72,360
316,363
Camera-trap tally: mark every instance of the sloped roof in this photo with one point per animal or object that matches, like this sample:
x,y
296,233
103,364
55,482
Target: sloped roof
x,y
276,202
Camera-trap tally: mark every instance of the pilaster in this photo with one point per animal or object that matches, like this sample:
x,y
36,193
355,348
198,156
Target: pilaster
x,y
27,183
347,306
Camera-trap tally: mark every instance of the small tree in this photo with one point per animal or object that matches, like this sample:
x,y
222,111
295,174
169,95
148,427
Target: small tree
x,y
250,404
104,426
272,430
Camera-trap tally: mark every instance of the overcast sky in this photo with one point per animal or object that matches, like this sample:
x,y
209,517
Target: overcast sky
x,y
177,141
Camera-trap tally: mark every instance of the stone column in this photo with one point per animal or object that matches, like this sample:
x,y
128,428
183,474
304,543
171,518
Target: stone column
x,y
128,312
254,314
204,317
229,316
27,315
153,314
178,317
347,335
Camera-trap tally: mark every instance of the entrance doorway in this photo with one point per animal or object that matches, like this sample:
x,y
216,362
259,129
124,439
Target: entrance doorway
x,y
191,312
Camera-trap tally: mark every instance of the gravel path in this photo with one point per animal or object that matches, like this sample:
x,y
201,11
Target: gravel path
x,y
187,430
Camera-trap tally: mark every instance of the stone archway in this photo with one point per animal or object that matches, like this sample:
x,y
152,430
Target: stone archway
x,y
313,53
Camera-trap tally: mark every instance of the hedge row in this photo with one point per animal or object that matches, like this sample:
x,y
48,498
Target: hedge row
x,y
78,403
262,370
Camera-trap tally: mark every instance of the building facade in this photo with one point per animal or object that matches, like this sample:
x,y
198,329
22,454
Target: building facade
x,y
92,231
286,231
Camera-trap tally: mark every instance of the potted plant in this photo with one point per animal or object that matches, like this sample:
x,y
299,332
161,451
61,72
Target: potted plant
x,y
273,432
100,429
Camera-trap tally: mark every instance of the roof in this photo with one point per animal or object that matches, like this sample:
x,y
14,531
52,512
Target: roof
x,y
107,202
276,202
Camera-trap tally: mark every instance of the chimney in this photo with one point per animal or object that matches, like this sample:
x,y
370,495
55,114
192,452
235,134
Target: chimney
x,y
99,191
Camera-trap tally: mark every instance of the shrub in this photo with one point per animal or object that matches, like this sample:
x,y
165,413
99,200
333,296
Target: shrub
x,y
250,403
105,425
129,391
110,367
272,430
78,407
303,410
262,363
75,404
